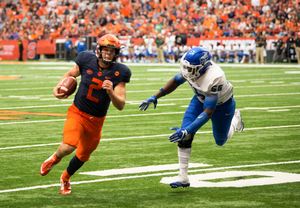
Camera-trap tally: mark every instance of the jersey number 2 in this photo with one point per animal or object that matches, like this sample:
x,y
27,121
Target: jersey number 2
x,y
96,87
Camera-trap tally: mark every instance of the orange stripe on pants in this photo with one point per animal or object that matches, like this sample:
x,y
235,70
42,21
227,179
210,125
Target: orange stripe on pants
x,y
83,131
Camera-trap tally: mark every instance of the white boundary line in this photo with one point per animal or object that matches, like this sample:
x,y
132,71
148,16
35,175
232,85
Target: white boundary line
x,y
137,102
148,175
150,136
138,91
135,115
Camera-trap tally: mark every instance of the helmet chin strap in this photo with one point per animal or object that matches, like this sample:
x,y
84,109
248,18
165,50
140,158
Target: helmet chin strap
x,y
105,61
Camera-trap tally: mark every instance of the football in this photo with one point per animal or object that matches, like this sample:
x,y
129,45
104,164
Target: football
x,y
68,85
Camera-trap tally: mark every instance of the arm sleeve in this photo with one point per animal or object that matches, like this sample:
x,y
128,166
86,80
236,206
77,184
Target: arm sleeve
x,y
179,79
198,123
211,101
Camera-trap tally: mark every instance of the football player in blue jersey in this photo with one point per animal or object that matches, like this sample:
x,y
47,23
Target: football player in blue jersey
x,y
213,100
103,81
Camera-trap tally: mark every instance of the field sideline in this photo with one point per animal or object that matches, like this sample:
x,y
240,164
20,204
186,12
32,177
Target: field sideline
x,y
135,161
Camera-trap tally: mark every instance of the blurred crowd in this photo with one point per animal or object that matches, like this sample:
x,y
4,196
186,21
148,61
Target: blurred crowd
x,y
33,20
165,49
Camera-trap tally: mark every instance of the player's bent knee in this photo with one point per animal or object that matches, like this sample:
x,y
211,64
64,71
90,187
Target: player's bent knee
x,y
220,142
83,158
65,149
187,143
220,139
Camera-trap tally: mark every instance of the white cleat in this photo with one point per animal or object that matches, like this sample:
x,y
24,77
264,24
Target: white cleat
x,y
180,182
240,124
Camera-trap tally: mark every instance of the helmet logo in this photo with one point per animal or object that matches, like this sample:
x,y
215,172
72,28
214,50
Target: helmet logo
x,y
204,59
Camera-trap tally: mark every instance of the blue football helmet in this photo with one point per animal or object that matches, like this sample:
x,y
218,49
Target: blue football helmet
x,y
195,62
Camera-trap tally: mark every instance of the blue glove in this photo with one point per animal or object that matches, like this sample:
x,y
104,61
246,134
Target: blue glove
x,y
145,104
179,135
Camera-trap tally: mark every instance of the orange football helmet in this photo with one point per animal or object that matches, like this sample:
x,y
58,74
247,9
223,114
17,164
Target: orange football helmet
x,y
111,41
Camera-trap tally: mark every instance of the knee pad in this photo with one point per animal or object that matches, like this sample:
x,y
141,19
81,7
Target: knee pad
x,y
187,142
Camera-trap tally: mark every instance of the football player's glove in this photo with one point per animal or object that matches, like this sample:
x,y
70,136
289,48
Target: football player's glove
x,y
179,135
145,104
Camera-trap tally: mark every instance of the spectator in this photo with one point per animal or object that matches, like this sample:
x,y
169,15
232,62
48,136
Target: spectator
x,y
279,51
260,42
182,50
81,45
160,51
247,51
152,52
213,51
170,42
194,18
137,52
297,47
220,51
265,48
69,49
130,45
290,47
20,43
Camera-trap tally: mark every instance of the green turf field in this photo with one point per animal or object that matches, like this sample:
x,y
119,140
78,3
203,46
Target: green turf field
x,y
259,167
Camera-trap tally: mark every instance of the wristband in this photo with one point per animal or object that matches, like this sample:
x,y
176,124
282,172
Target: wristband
x,y
162,91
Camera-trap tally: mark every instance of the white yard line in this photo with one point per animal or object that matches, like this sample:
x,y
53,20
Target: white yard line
x,y
151,136
131,115
148,175
138,102
138,91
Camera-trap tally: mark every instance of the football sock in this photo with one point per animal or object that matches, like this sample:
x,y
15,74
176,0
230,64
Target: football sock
x,y
183,157
233,125
231,131
56,159
65,175
74,165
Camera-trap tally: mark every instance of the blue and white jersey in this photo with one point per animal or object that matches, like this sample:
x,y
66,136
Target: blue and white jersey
x,y
142,50
211,82
247,49
220,49
152,49
170,43
183,49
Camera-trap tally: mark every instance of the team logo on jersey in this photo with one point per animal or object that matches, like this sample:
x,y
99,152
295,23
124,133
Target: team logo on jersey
x,y
99,74
117,73
89,72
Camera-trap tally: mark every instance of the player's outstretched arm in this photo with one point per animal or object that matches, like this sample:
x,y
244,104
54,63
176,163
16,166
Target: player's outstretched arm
x,y
169,87
209,106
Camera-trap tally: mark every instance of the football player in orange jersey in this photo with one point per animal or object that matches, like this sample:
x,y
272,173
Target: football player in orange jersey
x,y
103,81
